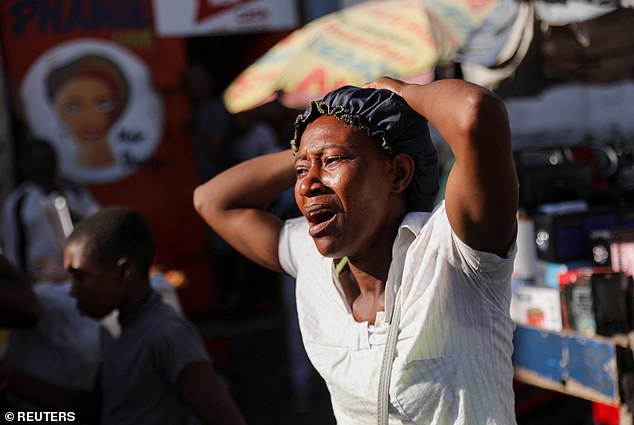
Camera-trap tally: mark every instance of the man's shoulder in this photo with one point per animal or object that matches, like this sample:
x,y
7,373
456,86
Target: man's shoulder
x,y
166,323
175,341
18,196
160,312
20,191
158,328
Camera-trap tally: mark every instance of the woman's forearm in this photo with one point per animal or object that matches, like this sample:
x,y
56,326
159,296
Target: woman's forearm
x,y
233,204
462,112
251,184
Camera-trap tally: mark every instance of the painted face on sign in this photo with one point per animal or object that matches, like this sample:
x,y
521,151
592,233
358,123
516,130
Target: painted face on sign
x,y
85,106
88,96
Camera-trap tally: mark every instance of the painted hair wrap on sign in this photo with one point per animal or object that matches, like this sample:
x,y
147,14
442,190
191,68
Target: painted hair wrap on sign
x,y
89,94
96,67
386,116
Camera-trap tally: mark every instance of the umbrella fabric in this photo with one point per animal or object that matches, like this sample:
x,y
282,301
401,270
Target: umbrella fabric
x,y
404,39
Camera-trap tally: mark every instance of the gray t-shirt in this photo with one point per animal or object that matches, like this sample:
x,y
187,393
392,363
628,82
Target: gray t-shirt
x,y
140,368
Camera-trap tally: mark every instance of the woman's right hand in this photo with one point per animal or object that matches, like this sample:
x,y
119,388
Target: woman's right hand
x,y
397,86
234,203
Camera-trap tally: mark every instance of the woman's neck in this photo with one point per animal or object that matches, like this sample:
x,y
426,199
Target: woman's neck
x,y
365,279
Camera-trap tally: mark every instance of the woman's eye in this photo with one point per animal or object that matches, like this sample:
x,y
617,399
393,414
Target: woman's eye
x,y
332,159
301,171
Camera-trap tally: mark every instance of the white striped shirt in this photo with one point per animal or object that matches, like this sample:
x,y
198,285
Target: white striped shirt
x,y
453,355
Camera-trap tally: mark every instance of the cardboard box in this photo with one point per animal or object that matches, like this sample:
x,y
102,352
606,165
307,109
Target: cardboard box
x,y
537,306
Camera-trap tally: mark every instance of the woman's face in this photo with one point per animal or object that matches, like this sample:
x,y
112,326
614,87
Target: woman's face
x,y
85,105
343,187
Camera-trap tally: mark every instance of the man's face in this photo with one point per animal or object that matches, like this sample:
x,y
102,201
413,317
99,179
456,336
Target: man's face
x,y
343,187
98,289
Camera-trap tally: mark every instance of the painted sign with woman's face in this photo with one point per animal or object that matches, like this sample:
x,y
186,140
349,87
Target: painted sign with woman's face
x,y
94,100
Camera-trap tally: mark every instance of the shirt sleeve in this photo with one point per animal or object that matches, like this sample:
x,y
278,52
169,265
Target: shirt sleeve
x,y
177,345
481,261
472,261
488,271
292,244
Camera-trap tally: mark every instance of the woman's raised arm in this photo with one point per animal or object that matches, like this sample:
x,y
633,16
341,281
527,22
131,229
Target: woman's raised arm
x,y
482,191
233,203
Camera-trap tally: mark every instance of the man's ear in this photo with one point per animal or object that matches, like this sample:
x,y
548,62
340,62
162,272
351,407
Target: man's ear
x,y
402,172
124,266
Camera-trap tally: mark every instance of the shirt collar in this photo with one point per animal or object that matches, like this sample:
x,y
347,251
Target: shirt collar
x,y
151,300
410,227
414,222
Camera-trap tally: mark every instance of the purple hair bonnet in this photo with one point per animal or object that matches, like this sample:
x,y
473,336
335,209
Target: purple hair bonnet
x,y
385,116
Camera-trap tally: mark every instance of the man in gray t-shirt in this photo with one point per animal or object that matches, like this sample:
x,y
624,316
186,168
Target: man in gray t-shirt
x,y
140,368
157,370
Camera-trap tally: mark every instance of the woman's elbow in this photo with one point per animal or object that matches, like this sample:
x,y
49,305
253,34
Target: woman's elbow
x,y
482,107
203,200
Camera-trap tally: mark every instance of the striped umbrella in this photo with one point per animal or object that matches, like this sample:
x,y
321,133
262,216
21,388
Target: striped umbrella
x,y
403,39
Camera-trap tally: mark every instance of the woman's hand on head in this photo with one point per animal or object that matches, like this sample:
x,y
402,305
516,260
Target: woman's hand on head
x,y
387,83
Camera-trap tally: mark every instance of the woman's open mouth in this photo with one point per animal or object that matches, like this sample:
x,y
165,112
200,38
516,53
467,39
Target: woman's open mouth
x,y
319,219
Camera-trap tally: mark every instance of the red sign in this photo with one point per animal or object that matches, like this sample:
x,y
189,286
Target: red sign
x,y
92,77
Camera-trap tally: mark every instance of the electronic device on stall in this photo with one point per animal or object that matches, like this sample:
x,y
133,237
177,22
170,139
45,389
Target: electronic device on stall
x,y
600,241
562,237
596,301
601,173
551,175
615,162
